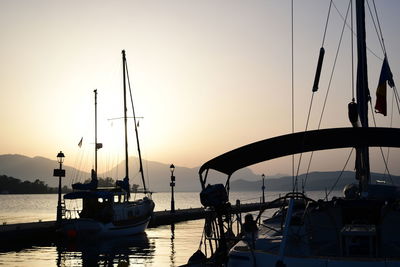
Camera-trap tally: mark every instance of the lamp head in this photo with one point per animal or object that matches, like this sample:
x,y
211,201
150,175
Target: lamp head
x,y
60,157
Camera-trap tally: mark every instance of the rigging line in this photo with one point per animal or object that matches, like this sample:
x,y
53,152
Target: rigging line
x,y
136,131
326,24
82,161
147,172
301,154
379,34
379,26
381,149
341,173
391,125
396,93
292,48
333,69
329,86
369,50
323,42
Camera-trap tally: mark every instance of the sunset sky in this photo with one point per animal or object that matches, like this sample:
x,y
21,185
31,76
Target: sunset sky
x,y
208,76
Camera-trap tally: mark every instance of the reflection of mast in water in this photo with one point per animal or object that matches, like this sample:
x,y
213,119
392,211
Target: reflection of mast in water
x,y
60,257
172,256
121,251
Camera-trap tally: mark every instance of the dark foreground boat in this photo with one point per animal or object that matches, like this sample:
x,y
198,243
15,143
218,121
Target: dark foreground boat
x,y
108,212
360,228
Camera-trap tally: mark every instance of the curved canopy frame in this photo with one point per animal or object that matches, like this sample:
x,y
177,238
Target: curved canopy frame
x,y
300,142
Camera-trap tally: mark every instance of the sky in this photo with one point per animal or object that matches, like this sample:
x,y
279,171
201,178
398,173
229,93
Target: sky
x,y
207,76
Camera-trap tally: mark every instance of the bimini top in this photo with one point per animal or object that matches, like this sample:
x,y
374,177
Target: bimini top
x,y
300,142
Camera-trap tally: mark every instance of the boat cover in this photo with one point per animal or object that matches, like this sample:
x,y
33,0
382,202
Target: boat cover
x,y
92,185
300,142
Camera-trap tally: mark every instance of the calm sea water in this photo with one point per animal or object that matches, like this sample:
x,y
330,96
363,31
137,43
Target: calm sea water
x,y
162,246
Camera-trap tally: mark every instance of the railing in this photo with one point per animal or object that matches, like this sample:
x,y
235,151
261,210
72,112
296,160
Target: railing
x,y
71,213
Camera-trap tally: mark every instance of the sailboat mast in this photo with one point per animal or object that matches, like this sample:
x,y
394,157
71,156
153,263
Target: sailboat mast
x,y
363,96
125,115
136,127
95,131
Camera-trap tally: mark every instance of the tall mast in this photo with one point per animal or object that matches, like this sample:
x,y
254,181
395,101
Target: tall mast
x,y
134,119
95,131
363,96
125,116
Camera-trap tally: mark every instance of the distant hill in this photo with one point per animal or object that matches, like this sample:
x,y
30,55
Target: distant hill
x,y
315,181
30,169
158,175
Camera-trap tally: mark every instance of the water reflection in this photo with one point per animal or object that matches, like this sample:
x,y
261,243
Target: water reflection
x,y
122,251
172,256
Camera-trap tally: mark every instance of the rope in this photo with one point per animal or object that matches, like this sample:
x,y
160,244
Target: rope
x,y
333,71
379,26
378,33
136,132
311,102
329,87
340,14
391,124
292,41
396,93
326,24
383,156
340,175
301,154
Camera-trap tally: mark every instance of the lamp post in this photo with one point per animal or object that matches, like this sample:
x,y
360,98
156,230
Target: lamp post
x,y
60,173
172,184
263,188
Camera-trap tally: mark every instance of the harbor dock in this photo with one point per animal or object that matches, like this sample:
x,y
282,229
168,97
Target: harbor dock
x,y
24,233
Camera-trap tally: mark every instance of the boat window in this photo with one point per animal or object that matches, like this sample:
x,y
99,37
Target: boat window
x,y
116,199
100,200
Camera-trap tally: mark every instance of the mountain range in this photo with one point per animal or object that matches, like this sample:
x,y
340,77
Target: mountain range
x,y
158,175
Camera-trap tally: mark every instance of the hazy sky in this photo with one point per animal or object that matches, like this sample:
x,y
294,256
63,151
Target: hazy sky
x,y
208,76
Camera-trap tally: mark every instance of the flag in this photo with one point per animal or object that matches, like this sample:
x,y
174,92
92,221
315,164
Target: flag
x,y
99,145
80,142
385,76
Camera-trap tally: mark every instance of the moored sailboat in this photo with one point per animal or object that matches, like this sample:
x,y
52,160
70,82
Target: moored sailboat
x,y
108,212
357,229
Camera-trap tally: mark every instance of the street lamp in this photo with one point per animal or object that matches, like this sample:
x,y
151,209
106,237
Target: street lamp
x,y
263,188
60,173
172,184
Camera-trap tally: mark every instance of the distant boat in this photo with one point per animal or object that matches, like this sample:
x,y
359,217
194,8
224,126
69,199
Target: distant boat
x,y
108,212
360,228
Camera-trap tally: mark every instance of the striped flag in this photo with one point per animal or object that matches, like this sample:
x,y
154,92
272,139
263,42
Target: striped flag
x,y
385,76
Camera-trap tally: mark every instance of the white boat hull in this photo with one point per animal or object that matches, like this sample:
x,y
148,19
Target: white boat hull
x,y
238,258
89,228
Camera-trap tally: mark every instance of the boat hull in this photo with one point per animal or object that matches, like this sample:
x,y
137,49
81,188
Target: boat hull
x,y
247,258
89,228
